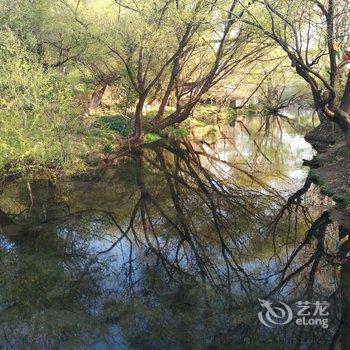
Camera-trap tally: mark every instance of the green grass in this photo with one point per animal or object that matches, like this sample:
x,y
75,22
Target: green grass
x,y
210,114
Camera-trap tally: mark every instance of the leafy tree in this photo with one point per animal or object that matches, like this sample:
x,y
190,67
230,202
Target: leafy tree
x,y
311,33
171,51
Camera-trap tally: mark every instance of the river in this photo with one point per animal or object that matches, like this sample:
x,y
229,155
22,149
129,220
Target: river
x,y
172,247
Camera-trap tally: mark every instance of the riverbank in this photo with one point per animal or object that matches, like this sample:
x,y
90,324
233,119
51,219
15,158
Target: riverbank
x,y
88,141
330,171
248,138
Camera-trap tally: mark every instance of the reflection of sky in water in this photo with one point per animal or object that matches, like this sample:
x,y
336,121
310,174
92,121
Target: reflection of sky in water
x,y
285,151
95,233
107,275
6,244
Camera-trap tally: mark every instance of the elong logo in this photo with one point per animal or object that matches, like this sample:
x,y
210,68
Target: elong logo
x,y
274,315
308,314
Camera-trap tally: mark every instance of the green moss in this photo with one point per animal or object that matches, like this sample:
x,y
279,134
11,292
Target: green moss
x,y
179,132
326,191
343,199
315,178
342,152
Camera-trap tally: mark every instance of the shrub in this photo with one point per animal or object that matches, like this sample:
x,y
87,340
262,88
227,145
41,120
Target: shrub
x,y
36,109
114,123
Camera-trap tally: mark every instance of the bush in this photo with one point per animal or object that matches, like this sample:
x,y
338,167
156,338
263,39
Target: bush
x,y
114,123
36,109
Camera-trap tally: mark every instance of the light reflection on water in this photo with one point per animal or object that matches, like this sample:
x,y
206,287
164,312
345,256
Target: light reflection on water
x,y
276,157
164,251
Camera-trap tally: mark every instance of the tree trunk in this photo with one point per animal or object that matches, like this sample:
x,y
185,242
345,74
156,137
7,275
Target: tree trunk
x,y
174,74
162,105
174,118
96,97
138,117
323,133
347,136
345,102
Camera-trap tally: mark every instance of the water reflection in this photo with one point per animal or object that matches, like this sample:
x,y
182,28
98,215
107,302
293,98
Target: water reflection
x,y
269,147
171,249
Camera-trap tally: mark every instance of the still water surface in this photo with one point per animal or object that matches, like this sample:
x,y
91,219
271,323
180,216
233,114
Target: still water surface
x,y
169,249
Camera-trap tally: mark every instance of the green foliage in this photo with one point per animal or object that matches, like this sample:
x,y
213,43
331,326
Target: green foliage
x,y
179,132
36,109
109,147
115,123
55,53
152,137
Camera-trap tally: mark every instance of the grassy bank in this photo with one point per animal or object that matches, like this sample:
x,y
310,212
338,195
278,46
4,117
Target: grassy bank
x,y
66,142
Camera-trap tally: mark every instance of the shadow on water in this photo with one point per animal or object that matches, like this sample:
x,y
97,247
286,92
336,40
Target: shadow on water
x,y
171,249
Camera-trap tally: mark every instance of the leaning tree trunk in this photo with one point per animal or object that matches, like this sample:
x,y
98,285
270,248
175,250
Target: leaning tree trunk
x,y
165,99
342,120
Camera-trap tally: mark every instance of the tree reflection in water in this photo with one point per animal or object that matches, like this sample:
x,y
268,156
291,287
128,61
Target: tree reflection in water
x,y
170,250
